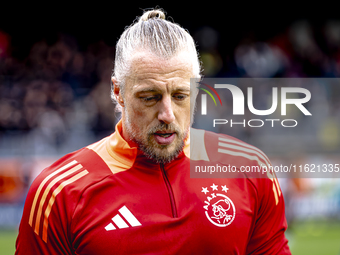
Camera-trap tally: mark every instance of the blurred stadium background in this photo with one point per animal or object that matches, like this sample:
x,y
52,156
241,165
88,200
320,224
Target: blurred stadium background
x,y
55,67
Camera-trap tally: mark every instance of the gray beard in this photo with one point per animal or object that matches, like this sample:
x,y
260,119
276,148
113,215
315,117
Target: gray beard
x,y
151,149
165,156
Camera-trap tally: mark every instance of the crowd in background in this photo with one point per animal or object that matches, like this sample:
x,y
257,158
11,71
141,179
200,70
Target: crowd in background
x,y
302,50
58,96
55,91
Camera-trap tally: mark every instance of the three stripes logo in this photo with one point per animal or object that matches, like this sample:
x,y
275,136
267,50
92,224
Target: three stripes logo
x,y
124,219
204,97
47,192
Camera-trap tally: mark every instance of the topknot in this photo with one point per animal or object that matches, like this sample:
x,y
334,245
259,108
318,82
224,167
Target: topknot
x,y
153,14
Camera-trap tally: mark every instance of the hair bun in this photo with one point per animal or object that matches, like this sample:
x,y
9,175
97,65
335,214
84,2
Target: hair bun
x,y
153,14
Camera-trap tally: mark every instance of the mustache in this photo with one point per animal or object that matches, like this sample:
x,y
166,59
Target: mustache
x,y
170,128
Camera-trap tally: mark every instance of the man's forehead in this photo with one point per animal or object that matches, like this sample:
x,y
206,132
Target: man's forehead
x,y
144,64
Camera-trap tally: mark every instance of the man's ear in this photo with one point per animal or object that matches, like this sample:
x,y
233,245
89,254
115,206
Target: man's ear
x,y
117,91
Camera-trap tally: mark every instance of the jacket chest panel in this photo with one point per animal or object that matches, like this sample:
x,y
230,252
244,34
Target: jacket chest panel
x,y
137,216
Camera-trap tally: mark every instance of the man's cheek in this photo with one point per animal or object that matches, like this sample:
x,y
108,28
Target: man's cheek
x,y
138,112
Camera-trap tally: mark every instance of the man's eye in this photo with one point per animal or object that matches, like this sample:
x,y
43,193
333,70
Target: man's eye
x,y
150,98
180,96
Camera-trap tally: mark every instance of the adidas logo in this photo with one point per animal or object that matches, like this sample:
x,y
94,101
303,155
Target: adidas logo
x,y
118,220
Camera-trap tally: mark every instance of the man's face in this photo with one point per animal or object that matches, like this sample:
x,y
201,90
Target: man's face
x,y
156,104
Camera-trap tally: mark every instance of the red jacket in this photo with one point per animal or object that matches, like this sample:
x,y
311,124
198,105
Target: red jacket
x,y
108,198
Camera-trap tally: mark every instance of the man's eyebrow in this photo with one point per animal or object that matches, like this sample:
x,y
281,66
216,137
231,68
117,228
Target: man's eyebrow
x,y
152,89
184,88
145,90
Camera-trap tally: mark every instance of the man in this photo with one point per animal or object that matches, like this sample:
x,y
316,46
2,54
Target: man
x,y
131,193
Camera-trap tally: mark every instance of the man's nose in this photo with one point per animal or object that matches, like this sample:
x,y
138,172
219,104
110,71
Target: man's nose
x,y
166,113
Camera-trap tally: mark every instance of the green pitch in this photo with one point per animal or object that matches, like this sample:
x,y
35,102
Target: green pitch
x,y
314,237
309,237
7,241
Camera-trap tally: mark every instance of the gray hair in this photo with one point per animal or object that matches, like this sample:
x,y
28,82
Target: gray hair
x,y
152,33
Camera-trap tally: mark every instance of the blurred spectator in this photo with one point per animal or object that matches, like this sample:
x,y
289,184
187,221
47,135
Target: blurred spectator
x,y
260,60
100,95
208,38
35,101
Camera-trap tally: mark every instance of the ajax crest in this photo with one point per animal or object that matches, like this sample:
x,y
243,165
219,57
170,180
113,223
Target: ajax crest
x,y
219,208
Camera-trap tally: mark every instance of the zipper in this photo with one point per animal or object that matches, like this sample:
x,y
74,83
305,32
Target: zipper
x,y
170,191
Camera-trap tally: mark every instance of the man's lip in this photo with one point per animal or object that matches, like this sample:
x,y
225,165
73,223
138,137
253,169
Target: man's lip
x,y
164,140
164,132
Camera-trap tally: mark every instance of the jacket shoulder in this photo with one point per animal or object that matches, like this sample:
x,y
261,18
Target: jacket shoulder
x,y
57,189
225,149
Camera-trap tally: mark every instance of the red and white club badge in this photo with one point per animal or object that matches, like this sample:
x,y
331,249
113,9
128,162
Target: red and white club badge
x,y
219,208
